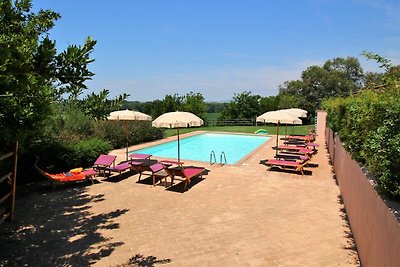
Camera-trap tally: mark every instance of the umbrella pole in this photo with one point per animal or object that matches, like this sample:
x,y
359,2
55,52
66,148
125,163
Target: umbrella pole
x,y
179,151
277,138
126,135
286,132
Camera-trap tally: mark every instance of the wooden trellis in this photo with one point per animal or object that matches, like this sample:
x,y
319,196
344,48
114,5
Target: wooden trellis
x,y
8,185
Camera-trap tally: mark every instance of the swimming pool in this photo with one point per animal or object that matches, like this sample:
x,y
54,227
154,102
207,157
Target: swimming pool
x,y
199,147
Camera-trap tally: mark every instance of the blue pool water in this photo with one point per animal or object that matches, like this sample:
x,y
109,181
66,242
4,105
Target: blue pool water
x,y
199,147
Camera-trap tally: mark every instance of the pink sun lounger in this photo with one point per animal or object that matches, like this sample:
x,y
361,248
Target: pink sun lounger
x,y
285,164
187,173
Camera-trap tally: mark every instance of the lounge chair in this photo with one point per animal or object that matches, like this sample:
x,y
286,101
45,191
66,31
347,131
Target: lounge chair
x,y
302,144
120,168
306,138
141,157
103,163
124,166
290,157
74,175
154,169
185,172
286,164
297,150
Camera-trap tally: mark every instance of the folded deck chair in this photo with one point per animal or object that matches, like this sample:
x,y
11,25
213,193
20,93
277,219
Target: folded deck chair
x,y
74,175
286,164
154,169
184,172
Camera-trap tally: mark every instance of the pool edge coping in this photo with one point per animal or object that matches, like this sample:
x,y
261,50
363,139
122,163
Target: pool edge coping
x,y
194,133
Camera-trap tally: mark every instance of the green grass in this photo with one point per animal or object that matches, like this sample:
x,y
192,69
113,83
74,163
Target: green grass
x,y
298,129
212,116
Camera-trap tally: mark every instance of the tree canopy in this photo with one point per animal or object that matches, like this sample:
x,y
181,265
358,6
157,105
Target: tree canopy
x,y
244,106
368,125
34,77
337,77
191,102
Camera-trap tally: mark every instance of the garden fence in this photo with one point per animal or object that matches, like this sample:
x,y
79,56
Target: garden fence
x,y
8,184
375,229
232,122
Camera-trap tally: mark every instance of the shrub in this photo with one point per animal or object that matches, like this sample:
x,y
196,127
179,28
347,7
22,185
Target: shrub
x,y
112,131
69,124
368,124
85,152
138,132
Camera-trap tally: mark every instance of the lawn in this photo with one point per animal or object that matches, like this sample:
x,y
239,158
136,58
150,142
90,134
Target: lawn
x,y
212,116
271,129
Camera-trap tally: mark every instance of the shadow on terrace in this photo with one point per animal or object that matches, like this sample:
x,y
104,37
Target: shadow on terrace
x,y
57,228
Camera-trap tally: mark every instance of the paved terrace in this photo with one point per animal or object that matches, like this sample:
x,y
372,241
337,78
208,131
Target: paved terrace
x,y
237,216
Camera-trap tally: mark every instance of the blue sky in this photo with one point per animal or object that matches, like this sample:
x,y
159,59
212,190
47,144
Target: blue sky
x,y
218,47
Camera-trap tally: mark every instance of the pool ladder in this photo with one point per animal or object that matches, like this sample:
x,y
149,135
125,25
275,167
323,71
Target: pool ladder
x,y
213,158
223,156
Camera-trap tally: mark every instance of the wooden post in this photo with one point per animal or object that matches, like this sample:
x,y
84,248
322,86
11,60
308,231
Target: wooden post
x,y
277,138
13,183
179,149
9,179
127,140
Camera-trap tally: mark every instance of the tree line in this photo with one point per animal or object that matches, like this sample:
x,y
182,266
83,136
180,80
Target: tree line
x,y
336,77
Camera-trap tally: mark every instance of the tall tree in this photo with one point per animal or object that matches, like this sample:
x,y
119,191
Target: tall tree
x,y
389,78
194,103
337,77
33,76
172,103
244,106
269,103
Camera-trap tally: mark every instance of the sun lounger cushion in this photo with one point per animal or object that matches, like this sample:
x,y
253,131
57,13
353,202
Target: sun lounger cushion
x,y
283,162
89,172
105,160
185,172
156,167
121,167
191,172
67,176
76,170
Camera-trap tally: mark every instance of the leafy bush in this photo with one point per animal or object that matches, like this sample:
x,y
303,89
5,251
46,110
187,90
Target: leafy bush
x,y
85,152
112,131
368,125
61,156
138,132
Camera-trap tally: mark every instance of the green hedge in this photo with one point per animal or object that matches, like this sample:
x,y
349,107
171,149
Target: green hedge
x,y
369,126
70,139
138,132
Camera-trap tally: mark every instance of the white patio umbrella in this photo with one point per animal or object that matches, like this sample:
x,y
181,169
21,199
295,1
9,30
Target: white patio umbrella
x,y
177,119
278,117
128,115
301,113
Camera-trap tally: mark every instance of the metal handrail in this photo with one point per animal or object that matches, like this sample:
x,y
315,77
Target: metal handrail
x,y
215,158
222,154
